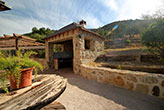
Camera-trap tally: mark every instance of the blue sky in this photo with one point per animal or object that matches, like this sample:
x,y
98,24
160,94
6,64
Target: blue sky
x,y
55,14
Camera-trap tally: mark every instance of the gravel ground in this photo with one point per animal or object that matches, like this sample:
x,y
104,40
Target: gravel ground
x,y
83,94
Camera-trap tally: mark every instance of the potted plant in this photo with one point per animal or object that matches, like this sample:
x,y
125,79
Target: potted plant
x,y
18,69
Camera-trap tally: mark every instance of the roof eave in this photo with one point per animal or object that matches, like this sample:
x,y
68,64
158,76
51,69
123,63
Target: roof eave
x,y
93,33
4,7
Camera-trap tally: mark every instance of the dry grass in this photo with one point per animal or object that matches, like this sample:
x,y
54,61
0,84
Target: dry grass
x,y
94,64
122,49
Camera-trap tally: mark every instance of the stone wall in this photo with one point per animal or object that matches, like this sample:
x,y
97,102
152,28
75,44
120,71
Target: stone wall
x,y
77,46
89,55
147,83
82,55
42,61
124,42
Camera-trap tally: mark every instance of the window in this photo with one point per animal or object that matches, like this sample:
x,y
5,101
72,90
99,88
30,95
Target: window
x,y
87,44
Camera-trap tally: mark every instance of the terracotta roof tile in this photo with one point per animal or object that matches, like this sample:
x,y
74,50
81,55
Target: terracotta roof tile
x,y
70,27
64,29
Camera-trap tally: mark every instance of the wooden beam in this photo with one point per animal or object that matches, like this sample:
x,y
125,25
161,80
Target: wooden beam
x,y
25,47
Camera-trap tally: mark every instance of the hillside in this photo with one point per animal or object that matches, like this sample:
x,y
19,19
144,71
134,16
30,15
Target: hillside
x,y
124,49
126,27
126,35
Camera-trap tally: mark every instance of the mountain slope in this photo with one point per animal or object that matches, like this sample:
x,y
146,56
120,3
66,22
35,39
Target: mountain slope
x,y
126,27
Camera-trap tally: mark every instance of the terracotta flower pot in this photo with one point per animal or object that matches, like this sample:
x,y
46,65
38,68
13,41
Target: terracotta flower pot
x,y
25,80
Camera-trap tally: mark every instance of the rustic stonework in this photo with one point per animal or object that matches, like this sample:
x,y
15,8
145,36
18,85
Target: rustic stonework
x,y
136,81
131,78
130,85
42,61
142,88
119,81
108,77
162,84
149,80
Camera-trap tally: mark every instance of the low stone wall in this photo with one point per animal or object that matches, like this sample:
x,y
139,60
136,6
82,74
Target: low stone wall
x,y
42,61
147,83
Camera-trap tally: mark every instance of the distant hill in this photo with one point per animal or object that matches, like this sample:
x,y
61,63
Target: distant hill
x,y
126,27
127,34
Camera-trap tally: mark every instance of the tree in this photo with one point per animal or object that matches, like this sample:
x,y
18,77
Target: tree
x,y
153,38
42,30
102,32
38,37
40,34
34,30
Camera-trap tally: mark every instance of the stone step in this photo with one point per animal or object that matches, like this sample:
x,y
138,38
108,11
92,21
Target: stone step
x,y
54,106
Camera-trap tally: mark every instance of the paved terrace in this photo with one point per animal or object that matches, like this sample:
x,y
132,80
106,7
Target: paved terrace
x,y
84,94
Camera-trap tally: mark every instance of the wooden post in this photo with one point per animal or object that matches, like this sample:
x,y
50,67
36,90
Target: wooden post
x,y
56,64
16,44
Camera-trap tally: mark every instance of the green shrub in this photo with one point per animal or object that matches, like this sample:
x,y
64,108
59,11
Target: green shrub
x,y
128,41
119,67
153,38
13,64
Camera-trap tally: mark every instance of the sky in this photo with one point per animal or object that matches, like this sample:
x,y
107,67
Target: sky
x,y
55,14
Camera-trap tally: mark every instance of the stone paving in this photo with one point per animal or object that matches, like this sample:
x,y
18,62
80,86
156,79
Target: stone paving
x,y
84,94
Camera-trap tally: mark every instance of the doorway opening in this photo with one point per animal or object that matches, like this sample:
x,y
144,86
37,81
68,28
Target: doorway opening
x,y
63,54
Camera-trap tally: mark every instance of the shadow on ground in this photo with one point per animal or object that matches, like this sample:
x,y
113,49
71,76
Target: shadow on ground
x,y
129,99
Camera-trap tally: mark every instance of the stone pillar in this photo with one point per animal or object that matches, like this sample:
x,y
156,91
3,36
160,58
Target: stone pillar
x,y
49,54
78,48
46,52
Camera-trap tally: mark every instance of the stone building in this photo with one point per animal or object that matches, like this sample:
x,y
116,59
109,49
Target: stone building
x,y
79,46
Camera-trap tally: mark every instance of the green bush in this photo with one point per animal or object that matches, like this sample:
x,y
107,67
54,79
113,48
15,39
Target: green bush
x,y
128,41
153,38
12,65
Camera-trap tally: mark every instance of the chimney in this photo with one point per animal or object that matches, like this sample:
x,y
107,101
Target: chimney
x,y
83,23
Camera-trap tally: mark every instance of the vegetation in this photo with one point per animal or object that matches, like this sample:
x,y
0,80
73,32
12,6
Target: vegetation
x,y
13,64
102,32
128,41
126,27
94,64
153,38
119,67
40,34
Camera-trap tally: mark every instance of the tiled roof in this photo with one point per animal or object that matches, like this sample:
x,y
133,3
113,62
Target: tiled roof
x,y
3,7
64,29
70,27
